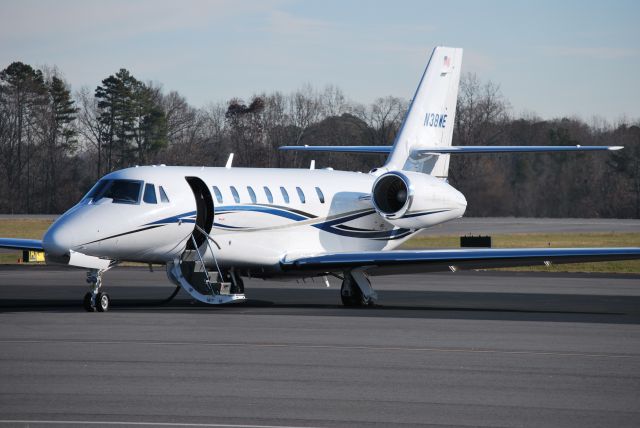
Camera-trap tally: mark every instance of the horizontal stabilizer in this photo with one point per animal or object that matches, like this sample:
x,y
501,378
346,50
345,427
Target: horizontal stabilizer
x,y
341,149
451,149
512,149
21,244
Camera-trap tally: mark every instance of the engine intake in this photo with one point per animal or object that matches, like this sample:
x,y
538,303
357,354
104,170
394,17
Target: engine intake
x,y
391,195
414,200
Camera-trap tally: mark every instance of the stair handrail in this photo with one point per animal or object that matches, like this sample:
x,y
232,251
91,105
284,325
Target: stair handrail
x,y
206,273
215,260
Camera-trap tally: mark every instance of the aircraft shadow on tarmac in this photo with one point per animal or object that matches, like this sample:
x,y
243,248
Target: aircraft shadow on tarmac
x,y
392,304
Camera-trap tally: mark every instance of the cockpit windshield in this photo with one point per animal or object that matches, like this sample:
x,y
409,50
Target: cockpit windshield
x,y
119,191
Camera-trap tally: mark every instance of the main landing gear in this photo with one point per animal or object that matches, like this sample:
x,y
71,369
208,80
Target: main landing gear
x,y
96,300
356,289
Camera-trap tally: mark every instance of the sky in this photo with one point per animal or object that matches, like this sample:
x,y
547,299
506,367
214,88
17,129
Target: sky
x,y
550,58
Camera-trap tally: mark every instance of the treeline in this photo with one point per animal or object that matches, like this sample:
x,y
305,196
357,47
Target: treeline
x,y
54,144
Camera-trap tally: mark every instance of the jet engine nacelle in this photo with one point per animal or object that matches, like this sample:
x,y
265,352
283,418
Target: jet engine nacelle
x,y
413,200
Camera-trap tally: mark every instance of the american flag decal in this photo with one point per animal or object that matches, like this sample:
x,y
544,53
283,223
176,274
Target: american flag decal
x,y
447,61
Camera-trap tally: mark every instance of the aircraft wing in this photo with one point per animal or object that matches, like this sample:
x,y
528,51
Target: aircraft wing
x,y
21,244
412,261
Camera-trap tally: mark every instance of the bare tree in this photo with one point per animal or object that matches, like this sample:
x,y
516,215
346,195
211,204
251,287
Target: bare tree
x,y
384,118
481,115
43,169
90,129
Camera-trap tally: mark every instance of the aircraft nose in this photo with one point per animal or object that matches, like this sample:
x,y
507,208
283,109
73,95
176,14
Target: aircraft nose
x,y
58,240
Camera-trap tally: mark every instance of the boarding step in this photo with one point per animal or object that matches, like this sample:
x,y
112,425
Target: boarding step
x,y
192,277
196,275
219,287
190,272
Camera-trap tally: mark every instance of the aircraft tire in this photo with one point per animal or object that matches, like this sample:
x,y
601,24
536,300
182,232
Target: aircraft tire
x,y
103,302
350,302
86,303
354,298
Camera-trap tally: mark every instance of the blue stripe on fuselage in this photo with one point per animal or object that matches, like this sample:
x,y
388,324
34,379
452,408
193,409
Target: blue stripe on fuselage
x,y
327,226
176,218
263,209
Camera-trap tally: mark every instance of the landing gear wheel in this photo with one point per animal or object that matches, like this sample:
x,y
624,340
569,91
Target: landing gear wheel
x,y
350,294
86,303
102,302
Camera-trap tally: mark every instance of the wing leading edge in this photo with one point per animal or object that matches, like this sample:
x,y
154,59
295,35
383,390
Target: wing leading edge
x,y
21,244
411,261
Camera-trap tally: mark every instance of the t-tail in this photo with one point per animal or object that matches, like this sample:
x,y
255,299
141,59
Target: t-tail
x,y
423,143
431,116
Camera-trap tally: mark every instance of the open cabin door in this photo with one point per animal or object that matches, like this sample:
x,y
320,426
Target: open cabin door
x,y
204,211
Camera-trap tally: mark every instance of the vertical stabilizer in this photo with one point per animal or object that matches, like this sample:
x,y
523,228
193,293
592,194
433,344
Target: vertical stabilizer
x,y
430,119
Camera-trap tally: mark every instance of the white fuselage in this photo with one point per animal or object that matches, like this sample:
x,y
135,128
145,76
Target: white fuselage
x,y
255,229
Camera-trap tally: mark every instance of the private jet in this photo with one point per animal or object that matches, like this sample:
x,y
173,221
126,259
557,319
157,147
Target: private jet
x,y
212,227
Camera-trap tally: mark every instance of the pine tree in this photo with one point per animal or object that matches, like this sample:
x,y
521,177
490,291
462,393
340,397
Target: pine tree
x,y
151,131
61,137
22,94
133,118
117,114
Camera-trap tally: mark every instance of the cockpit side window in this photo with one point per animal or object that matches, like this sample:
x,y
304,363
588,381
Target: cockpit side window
x,y
163,195
150,194
119,191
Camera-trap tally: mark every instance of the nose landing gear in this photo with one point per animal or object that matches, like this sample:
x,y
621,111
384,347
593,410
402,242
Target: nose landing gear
x,y
95,300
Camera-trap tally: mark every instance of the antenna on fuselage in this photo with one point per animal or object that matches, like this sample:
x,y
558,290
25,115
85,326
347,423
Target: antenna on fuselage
x,y
229,161
313,164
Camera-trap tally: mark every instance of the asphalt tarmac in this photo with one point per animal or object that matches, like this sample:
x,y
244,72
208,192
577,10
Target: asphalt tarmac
x,y
466,349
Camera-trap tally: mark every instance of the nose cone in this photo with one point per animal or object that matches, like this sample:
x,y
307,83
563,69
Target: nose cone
x,y
57,241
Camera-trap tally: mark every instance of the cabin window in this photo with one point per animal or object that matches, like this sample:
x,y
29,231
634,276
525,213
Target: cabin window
x,y
320,195
300,194
163,195
150,194
285,195
119,191
218,194
268,193
252,195
236,196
